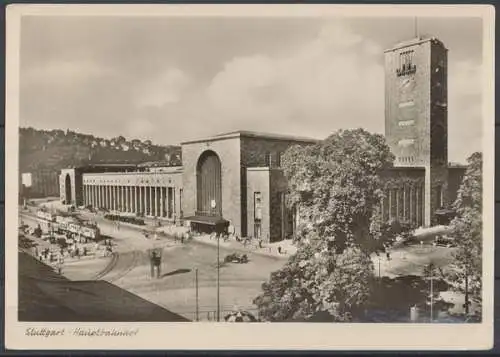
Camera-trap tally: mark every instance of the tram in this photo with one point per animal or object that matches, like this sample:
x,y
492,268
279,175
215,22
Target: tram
x,y
50,223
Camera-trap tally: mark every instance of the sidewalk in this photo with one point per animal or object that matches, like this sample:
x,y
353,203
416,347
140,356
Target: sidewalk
x,y
176,232
268,249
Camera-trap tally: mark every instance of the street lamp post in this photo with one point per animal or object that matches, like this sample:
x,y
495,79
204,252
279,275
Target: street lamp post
x,y
432,296
196,282
466,291
218,280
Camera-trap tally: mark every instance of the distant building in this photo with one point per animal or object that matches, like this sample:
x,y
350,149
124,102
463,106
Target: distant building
x,y
40,183
234,180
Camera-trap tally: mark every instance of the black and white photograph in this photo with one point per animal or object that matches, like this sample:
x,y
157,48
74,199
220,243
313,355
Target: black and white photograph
x,y
191,168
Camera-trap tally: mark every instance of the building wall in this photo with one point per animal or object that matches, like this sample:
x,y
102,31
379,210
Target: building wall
x,y
416,114
404,195
228,151
121,191
258,180
262,152
280,218
44,183
455,177
76,186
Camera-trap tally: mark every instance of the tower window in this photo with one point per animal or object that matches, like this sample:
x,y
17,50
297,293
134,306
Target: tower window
x,y
406,142
269,159
406,65
406,122
279,159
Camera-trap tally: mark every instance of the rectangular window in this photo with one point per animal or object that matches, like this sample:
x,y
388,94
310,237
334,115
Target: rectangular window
x,y
269,159
279,159
406,123
257,197
409,103
406,142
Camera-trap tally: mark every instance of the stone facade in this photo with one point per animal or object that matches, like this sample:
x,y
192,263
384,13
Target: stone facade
x,y
70,186
269,187
153,194
416,122
237,151
227,148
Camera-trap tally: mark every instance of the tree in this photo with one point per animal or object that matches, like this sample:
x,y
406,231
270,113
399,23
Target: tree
x,y
467,228
336,187
315,281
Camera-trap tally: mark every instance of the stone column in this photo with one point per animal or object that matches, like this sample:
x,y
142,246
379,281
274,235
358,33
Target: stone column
x,y
100,196
418,209
125,198
104,196
156,202
150,200
174,213
127,190
390,204
141,205
398,216
412,219
162,202
135,200
404,203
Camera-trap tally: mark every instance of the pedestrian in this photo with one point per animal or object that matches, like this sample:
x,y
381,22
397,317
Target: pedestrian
x,y
260,243
84,251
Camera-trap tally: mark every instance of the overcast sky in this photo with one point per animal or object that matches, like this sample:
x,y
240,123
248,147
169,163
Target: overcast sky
x,y
172,79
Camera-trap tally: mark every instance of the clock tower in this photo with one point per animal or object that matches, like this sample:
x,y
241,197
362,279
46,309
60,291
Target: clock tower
x,y
416,114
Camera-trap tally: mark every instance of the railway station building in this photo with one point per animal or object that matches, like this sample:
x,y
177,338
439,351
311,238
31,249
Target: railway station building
x,y
234,181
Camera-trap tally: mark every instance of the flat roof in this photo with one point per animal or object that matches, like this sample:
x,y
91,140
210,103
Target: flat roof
x,y
415,41
254,134
178,170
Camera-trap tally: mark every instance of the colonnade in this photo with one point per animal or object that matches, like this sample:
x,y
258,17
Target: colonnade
x,y
405,203
148,200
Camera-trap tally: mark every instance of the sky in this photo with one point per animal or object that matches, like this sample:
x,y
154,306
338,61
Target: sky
x,y
174,79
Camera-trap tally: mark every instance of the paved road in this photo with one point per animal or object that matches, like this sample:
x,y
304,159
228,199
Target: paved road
x,y
175,290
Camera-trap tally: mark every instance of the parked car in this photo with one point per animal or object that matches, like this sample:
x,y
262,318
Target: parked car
x,y
236,258
444,241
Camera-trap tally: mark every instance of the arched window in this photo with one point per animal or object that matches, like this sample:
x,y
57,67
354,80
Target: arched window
x,y
208,184
67,187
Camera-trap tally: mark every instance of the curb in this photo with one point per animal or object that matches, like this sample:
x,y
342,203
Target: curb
x,y
240,250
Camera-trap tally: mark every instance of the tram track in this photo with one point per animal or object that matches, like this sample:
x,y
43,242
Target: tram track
x,y
120,265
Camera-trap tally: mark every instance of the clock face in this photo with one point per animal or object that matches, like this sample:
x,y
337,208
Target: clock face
x,y
407,84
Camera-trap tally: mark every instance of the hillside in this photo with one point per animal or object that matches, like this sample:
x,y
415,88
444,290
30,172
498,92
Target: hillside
x,y
52,150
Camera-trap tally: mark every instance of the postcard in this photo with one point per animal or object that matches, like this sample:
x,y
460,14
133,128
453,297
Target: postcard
x,y
257,177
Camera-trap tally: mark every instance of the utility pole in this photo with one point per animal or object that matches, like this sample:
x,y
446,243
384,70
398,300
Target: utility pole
x,y
196,282
466,290
218,280
432,296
